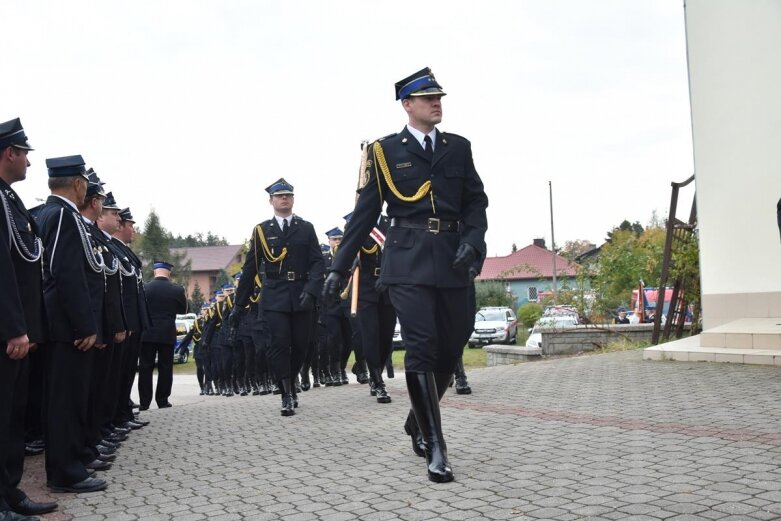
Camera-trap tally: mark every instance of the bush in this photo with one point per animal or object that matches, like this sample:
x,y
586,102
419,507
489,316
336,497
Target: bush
x,y
492,294
529,313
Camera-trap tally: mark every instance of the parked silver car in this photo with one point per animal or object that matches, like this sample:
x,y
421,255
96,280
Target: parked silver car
x,y
494,325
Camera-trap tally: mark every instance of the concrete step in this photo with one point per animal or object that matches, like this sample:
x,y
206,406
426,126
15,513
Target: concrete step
x,y
747,333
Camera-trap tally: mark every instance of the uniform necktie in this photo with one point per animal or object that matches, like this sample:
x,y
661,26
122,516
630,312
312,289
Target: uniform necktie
x,y
427,148
284,227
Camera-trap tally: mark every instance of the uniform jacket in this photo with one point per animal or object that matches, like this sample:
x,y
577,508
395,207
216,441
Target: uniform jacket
x,y
414,256
165,300
371,268
304,263
133,296
113,312
72,290
21,284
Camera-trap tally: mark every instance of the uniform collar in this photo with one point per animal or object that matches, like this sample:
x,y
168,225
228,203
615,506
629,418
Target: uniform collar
x,y
420,136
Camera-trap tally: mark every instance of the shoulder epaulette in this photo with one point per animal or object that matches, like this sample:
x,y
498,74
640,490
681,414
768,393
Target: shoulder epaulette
x,y
386,137
450,134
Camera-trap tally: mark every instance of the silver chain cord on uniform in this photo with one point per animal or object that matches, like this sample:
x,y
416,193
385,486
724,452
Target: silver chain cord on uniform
x,y
94,259
16,238
114,266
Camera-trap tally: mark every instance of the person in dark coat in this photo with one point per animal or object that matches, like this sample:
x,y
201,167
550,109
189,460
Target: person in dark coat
x,y
73,272
437,206
285,253
23,326
165,300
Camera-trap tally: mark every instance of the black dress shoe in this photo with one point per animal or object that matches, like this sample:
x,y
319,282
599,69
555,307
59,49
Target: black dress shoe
x,y
9,515
37,443
106,451
116,438
32,451
143,407
133,426
98,465
165,405
121,430
107,457
88,485
141,422
28,507
110,444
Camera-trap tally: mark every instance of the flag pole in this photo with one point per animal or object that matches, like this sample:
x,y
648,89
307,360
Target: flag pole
x,y
553,241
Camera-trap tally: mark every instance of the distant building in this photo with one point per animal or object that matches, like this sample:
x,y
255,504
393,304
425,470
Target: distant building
x,y
206,264
528,272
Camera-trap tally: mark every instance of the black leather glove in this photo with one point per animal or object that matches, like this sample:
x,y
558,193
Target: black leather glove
x,y
473,273
465,256
306,300
333,284
379,287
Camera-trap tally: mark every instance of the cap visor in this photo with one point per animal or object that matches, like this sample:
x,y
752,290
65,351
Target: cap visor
x,y
433,91
23,147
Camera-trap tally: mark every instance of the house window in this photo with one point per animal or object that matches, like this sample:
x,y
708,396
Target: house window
x,y
532,294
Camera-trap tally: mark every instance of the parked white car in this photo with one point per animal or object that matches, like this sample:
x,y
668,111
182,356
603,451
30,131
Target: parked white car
x,y
550,322
494,325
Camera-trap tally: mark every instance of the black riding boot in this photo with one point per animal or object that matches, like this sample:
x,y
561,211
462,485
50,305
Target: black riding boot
x,y
377,386
462,386
423,395
411,425
287,397
360,371
306,384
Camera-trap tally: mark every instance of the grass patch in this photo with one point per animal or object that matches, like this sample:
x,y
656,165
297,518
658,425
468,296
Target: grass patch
x,y
188,368
622,345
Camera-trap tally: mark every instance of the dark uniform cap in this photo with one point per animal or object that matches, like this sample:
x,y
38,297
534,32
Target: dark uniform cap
x,y
95,186
67,166
348,217
163,265
422,83
12,135
334,232
280,187
110,203
125,215
237,275
228,285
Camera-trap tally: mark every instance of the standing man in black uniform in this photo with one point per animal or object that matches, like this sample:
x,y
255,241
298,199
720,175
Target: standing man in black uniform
x,y
72,269
437,207
22,326
285,253
165,300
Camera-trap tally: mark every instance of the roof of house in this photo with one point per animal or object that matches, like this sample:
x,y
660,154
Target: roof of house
x,y
210,258
531,262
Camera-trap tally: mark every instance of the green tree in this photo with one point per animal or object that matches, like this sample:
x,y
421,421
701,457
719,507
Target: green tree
x,y
492,293
196,299
529,313
572,249
155,246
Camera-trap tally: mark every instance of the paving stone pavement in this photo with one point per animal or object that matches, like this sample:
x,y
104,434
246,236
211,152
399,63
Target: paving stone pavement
x,y
598,437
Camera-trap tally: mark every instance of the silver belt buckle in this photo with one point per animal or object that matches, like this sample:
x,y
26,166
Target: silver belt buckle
x,y
376,272
433,225
291,275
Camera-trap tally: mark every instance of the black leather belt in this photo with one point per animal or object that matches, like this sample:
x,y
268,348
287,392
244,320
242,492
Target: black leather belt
x,y
431,224
375,273
285,275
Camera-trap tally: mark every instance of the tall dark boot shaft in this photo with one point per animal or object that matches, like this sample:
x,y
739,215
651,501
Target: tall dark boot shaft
x,y
424,397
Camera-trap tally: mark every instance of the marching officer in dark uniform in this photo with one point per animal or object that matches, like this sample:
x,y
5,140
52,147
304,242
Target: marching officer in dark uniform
x,y
285,253
165,300
335,315
23,326
73,272
376,317
437,206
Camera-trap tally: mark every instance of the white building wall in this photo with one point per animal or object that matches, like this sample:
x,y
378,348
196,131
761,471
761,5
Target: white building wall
x,y
734,50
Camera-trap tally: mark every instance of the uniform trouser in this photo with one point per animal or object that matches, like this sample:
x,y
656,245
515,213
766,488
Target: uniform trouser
x,y
434,321
238,367
13,401
129,363
289,334
98,396
113,396
339,336
248,351
321,344
33,418
68,377
200,374
377,323
215,362
260,341
226,362
356,342
165,372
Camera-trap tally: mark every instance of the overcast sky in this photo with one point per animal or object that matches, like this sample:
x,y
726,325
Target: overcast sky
x,y
192,108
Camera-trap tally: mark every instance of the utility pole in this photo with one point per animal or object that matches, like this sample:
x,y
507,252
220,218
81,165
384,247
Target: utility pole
x,y
553,241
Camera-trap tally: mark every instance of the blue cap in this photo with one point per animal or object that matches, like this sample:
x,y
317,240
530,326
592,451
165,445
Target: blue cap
x,y
162,265
280,187
212,300
125,215
110,203
422,83
204,306
95,186
348,217
324,248
12,135
228,285
66,166
218,292
237,275
333,233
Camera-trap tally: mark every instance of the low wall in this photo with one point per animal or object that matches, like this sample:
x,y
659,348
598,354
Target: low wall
x,y
573,340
